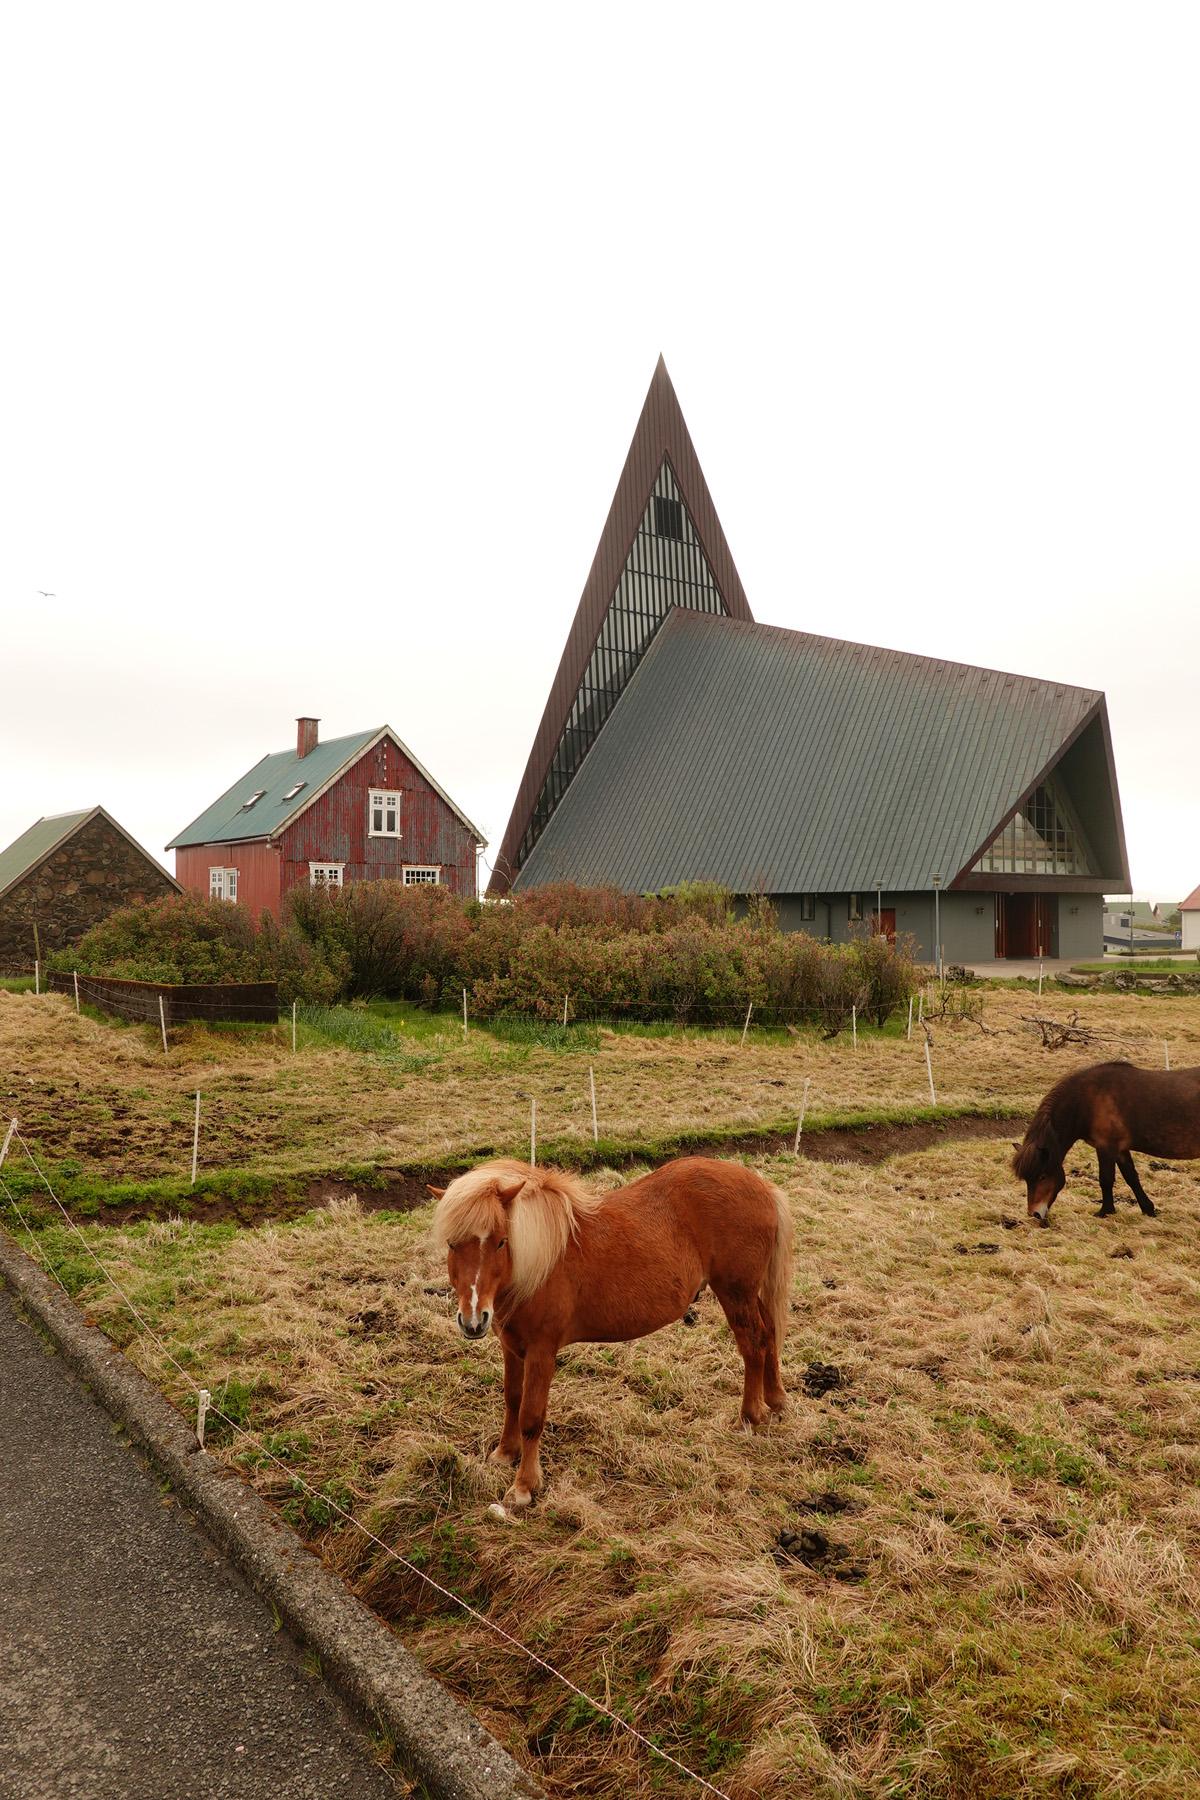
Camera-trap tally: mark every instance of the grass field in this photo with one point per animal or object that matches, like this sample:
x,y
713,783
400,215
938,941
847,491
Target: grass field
x,y
996,1594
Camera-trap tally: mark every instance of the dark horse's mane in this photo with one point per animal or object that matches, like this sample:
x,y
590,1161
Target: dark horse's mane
x,y
1042,1149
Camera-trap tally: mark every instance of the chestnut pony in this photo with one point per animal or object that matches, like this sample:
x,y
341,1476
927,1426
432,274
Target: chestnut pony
x,y
546,1264
1117,1108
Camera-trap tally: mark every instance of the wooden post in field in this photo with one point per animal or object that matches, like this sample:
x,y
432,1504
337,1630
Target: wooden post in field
x,y
1039,981
464,1012
75,973
910,1018
1166,1053
854,1025
921,1008
7,1141
293,1028
800,1123
196,1138
162,1019
595,1126
746,1026
37,976
566,997
533,1132
929,1066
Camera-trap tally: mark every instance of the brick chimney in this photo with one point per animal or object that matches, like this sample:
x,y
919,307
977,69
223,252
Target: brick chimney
x,y
306,735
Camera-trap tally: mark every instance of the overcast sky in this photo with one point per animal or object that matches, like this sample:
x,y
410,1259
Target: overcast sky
x,y
325,331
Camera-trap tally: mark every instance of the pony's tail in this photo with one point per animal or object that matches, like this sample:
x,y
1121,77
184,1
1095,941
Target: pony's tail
x,y
776,1286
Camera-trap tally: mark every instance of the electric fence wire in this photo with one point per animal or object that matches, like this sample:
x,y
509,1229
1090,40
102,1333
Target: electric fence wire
x,y
295,1480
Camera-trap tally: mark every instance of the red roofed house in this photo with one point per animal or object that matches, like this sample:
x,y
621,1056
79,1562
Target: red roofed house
x,y
357,808
1190,913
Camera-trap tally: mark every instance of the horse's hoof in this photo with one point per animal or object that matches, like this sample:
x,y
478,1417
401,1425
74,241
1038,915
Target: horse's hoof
x,y
1106,1212
517,1498
1149,1212
505,1458
777,1405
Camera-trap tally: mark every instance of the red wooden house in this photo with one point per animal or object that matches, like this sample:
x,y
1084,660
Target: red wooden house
x,y
357,808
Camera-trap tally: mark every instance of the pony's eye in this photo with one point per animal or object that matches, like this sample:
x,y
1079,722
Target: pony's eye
x,y
499,1243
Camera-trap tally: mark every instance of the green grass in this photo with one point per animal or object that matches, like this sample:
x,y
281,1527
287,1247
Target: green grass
x,y
17,984
1165,964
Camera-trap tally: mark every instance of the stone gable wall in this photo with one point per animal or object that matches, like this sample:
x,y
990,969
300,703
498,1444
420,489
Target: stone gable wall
x,y
87,878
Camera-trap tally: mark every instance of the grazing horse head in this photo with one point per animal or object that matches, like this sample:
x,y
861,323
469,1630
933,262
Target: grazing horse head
x,y
504,1226
1038,1162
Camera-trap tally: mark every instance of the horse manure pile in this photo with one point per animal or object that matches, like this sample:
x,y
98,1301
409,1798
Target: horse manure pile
x,y
822,1378
816,1551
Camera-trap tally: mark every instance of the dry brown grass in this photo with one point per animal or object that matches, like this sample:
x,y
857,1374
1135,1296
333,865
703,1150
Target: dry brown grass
x,y
1019,1436
107,1097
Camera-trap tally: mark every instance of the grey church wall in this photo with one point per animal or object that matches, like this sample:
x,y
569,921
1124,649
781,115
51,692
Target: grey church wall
x,y
968,922
1081,926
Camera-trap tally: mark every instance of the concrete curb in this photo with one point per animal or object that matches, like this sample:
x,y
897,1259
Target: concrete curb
x,y
439,1741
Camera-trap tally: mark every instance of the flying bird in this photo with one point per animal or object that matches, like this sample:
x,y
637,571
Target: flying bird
x,y
47,596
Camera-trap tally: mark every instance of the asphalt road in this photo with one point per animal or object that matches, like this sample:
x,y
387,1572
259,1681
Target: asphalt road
x,y
135,1663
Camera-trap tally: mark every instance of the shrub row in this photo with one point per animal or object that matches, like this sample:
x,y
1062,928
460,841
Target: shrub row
x,y
682,955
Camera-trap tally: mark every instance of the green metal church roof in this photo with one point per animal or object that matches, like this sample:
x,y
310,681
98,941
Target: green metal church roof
x,y
781,762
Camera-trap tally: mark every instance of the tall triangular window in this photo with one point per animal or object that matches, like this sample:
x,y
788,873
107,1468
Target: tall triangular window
x,y
666,567
1042,839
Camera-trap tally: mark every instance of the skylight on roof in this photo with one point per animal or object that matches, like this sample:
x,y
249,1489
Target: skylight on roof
x,y
255,797
293,791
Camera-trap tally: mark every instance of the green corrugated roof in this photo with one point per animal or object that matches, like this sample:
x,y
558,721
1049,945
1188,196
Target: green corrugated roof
x,y
32,845
777,761
227,822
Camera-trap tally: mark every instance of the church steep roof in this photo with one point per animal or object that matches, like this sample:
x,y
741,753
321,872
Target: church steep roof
x,y
777,761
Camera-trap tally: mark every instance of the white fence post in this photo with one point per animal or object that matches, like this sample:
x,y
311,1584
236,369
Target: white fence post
x,y
929,1066
75,972
7,1141
746,1026
533,1133
854,1025
1166,1053
293,1028
196,1138
800,1124
464,1012
37,977
910,1018
162,1019
595,1126
203,1402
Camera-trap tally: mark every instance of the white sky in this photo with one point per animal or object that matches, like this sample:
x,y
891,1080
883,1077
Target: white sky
x,y
325,330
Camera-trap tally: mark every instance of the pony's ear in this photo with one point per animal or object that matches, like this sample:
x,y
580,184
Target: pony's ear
x,y
509,1186
436,1192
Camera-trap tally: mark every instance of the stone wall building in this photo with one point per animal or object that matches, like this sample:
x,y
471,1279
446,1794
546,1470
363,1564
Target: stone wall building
x,y
63,876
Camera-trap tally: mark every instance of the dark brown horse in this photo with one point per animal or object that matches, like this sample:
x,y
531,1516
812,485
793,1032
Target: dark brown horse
x,y
1117,1108
544,1263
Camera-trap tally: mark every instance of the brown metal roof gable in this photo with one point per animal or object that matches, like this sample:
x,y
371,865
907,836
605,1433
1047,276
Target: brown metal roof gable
x,y
661,433
774,759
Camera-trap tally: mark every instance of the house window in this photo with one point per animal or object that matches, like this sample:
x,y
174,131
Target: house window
x,y
222,884
422,874
808,908
384,814
325,874
853,908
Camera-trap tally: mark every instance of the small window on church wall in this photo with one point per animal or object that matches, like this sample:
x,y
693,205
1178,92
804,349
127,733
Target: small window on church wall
x,y
668,517
808,908
853,907
384,813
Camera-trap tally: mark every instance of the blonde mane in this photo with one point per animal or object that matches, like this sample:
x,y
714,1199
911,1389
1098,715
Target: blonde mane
x,y
542,1217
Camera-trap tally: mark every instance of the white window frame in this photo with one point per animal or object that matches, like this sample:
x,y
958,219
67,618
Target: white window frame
x,y
325,874
222,884
422,874
385,800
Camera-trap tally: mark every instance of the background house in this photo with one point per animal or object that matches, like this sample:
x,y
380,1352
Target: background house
x,y
1190,909
358,808
683,741
63,876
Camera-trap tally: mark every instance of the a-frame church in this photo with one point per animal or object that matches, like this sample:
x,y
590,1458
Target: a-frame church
x,y
682,741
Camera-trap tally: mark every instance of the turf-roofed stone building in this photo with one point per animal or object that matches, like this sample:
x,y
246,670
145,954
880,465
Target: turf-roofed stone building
x,y
64,875
682,741
358,808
